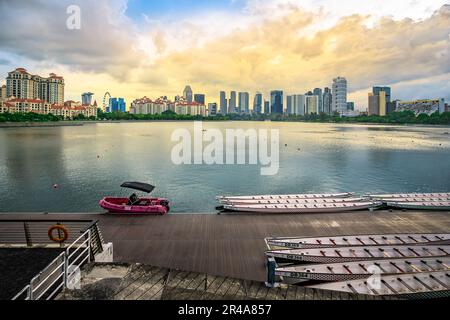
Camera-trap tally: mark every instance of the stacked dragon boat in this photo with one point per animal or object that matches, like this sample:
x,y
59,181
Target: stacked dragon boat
x,y
298,203
333,202
415,201
404,265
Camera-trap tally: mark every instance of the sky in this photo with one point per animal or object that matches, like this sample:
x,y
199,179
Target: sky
x,y
136,48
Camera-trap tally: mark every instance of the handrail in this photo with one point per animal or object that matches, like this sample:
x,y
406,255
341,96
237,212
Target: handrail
x,y
82,254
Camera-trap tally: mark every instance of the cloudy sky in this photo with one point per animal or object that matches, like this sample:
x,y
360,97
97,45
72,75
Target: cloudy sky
x,y
133,48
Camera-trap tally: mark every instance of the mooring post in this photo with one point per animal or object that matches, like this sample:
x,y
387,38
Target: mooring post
x,y
271,265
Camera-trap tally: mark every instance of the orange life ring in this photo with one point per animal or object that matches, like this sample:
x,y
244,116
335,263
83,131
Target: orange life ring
x,y
60,228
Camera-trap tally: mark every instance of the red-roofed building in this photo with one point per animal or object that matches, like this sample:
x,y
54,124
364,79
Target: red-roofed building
x,y
69,110
162,104
21,84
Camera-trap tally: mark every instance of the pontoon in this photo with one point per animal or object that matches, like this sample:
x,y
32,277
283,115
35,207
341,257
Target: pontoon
x,y
287,197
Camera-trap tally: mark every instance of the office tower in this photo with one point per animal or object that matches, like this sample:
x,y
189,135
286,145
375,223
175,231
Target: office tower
x,y
377,103
276,102
339,95
380,104
223,103
312,104
187,94
199,98
212,109
244,102
298,104
327,99
266,107
23,85
117,105
289,107
318,92
232,104
86,98
257,103
387,90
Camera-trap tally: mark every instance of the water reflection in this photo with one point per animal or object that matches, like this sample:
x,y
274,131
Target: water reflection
x,y
92,161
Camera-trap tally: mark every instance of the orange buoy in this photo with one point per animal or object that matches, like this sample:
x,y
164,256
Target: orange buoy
x,y
61,229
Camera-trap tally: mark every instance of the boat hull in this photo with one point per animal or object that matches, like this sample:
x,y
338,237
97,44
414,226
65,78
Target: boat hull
x,y
292,201
288,196
149,206
435,206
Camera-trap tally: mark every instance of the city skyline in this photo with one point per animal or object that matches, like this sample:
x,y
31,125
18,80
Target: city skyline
x,y
244,46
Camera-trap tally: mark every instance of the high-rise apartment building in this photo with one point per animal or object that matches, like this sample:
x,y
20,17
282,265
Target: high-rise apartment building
x,y
223,103
187,94
327,100
266,107
298,104
339,95
318,92
289,108
244,102
3,92
23,85
257,103
312,104
232,103
276,102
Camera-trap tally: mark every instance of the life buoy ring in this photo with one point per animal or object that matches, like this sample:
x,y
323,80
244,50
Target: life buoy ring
x,y
60,228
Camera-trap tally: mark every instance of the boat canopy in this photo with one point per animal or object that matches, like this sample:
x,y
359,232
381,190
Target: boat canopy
x,y
145,187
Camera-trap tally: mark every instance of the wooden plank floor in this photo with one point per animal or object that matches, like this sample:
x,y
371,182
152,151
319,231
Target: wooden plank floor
x,y
231,245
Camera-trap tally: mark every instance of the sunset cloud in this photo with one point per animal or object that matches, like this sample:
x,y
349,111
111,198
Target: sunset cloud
x,y
275,44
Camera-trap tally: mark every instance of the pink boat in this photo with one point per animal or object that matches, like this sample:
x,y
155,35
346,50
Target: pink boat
x,y
135,205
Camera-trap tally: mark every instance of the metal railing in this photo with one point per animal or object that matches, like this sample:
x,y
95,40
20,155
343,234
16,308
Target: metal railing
x,y
34,232
62,272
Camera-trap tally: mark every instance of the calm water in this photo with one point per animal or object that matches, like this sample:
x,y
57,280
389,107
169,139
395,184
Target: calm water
x,y
90,162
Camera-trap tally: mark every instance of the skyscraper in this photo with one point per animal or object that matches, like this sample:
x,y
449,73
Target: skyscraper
x,y
276,101
266,107
312,104
289,107
244,102
380,101
377,103
117,105
187,94
199,98
232,104
298,104
86,98
327,99
257,103
223,103
318,92
339,95
387,90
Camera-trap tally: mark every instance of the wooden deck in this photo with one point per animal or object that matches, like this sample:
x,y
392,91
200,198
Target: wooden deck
x,y
231,245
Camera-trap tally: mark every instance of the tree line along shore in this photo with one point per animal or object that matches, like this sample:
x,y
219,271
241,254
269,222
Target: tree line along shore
x,y
404,117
